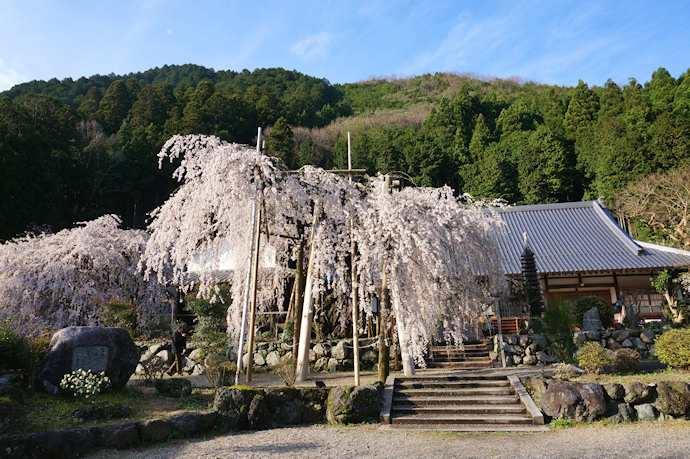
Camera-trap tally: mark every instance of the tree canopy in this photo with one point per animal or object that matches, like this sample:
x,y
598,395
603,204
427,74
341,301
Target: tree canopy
x,y
73,150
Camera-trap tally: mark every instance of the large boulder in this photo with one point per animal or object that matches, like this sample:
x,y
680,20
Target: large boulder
x,y
152,430
646,412
636,393
232,405
55,445
341,351
583,402
673,398
536,386
620,412
174,387
614,392
190,423
120,436
352,404
96,348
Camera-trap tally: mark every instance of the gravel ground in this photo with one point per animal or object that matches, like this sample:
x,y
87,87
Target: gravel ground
x,y
669,439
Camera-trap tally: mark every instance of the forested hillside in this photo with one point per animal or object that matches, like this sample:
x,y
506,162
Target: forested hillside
x,y
75,150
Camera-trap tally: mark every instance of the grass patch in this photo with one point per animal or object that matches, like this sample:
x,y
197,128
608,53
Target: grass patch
x,y
562,423
48,413
669,374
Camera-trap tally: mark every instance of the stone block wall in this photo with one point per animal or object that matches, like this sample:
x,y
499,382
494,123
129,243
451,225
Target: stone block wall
x,y
328,356
536,349
588,402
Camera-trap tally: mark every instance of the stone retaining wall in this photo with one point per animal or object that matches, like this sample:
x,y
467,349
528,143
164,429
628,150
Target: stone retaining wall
x,y
234,408
536,349
328,356
588,402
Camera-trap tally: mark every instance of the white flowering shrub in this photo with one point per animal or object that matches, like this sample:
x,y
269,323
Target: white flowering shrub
x,y
439,259
64,279
83,383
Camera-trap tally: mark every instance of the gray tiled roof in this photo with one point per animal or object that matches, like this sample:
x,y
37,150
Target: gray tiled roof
x,y
578,237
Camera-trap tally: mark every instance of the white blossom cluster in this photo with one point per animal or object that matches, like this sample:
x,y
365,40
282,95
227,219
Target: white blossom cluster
x,y
83,383
64,279
440,261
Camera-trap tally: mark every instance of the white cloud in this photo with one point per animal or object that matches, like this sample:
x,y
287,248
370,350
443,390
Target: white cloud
x,y
9,77
170,31
313,47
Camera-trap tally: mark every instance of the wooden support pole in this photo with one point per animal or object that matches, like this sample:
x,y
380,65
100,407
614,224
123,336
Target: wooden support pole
x,y
302,369
255,274
297,311
501,346
384,350
353,281
252,321
245,307
407,359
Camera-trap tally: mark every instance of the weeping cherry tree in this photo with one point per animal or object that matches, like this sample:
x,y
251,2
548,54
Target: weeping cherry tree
x,y
64,279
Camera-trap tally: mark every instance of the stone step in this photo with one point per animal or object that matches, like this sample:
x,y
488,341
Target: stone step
x,y
461,419
459,359
454,392
453,384
441,377
440,349
464,428
480,408
460,365
456,400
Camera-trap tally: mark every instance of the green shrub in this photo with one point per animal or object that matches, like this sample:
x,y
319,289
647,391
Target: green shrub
x,y
118,313
14,348
557,326
289,330
625,360
673,348
585,303
209,334
592,357
565,372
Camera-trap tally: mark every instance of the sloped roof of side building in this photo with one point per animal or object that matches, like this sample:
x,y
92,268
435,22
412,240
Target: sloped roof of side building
x,y
578,237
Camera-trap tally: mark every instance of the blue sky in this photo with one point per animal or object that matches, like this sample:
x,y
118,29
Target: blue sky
x,y
553,42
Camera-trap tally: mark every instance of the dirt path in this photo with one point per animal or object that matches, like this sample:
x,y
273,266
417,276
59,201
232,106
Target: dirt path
x,y
643,439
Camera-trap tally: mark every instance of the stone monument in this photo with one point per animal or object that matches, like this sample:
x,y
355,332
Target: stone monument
x,y
89,348
591,320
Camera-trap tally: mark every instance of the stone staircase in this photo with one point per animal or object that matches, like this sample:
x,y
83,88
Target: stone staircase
x,y
471,356
468,402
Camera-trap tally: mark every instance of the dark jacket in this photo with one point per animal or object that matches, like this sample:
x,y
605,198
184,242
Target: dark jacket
x,y
179,342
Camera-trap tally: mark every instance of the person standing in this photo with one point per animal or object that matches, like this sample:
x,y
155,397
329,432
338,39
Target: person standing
x,y
179,342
